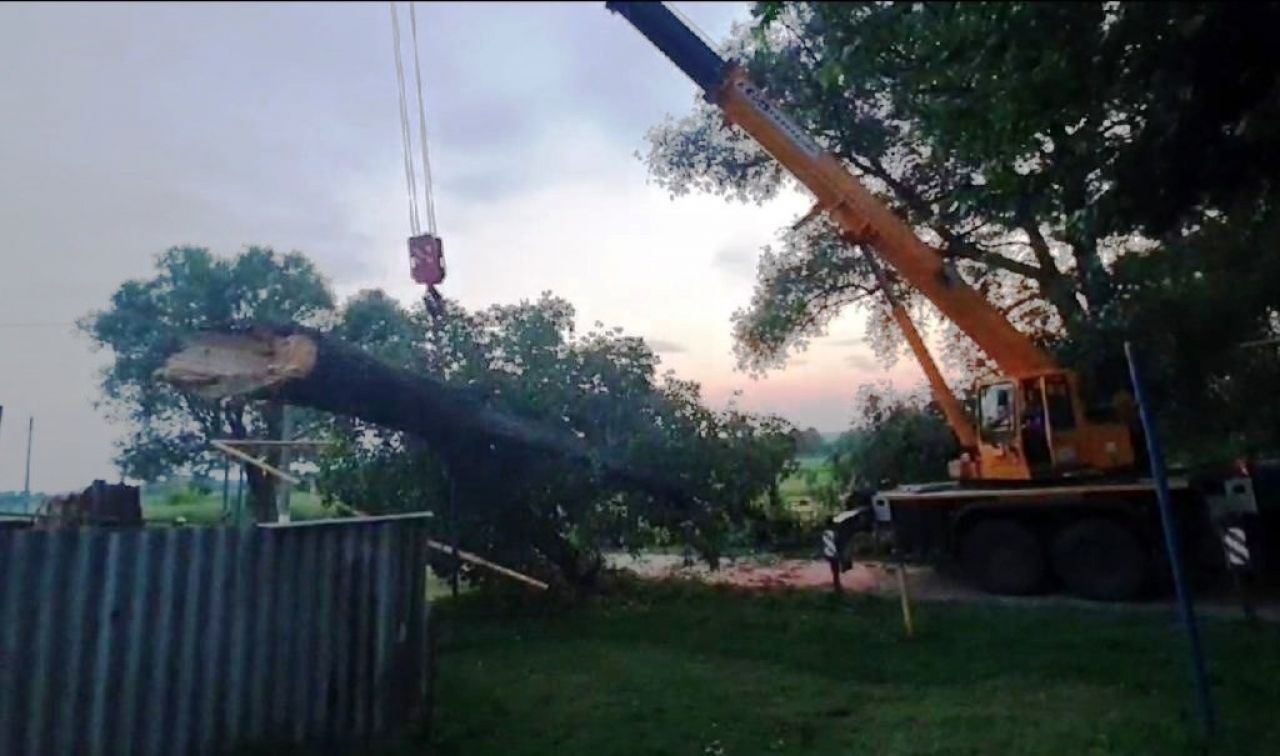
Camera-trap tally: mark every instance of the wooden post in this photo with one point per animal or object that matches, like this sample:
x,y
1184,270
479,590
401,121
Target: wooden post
x,y
226,488
239,519
453,535
285,485
907,624
26,479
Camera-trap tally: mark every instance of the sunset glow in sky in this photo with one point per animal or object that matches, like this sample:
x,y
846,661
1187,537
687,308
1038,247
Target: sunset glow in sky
x,y
132,128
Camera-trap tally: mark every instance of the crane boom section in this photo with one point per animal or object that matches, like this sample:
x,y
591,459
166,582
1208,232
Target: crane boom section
x,y
862,217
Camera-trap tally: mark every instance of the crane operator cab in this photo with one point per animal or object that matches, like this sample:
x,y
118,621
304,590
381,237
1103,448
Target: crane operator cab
x,y
1034,427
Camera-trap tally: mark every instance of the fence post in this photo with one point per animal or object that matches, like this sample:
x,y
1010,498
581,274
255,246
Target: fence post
x,y
26,478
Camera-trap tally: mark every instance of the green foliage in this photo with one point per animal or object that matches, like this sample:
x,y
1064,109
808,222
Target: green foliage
x,y
809,442
532,510
167,505
1064,180
1189,312
897,438
184,498
193,290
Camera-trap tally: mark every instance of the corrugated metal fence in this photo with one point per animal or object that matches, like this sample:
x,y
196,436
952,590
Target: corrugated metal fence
x,y
196,640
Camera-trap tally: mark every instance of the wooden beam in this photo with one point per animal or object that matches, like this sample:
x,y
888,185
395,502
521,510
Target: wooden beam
x,y
465,556
270,442
231,451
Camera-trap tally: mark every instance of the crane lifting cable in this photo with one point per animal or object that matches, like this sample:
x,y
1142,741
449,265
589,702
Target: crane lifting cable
x,y
426,250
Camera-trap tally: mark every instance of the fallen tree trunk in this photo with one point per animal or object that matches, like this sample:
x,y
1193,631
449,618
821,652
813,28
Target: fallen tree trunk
x,y
311,369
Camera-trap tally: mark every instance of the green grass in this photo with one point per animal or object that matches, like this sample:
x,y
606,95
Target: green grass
x,y
206,509
693,670
797,490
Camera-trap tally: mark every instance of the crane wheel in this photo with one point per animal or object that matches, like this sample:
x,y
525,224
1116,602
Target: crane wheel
x,y
1003,556
1098,558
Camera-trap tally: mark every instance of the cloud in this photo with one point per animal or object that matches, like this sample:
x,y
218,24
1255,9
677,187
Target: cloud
x,y
738,261
662,346
862,362
133,128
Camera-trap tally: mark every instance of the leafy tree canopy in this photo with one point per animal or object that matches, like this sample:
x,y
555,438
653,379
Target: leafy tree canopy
x,y
896,437
1060,154
193,290
535,510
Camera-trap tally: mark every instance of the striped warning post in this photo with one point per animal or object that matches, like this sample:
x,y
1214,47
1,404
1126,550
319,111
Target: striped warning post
x,y
1233,539
829,544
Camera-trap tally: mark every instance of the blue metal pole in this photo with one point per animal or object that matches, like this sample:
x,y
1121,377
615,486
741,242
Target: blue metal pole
x,y
1185,609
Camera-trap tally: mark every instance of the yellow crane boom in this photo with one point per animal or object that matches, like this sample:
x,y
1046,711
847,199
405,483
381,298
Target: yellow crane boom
x,y
1062,440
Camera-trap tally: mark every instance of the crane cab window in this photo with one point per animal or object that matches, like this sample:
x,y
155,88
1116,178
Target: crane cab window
x,y
996,408
1057,395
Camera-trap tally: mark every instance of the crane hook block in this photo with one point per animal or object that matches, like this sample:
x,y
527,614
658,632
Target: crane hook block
x,y
426,259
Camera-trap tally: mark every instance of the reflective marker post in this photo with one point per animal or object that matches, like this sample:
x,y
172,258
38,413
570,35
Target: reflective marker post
x,y
832,555
1236,545
1185,608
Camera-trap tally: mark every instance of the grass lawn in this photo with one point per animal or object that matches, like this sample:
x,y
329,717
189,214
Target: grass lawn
x,y
206,509
677,669
799,492
796,486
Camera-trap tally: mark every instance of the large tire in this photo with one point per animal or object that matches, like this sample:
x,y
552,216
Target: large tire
x,y
1002,556
1098,558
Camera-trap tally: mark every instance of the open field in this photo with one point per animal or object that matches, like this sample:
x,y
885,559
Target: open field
x,y
163,503
800,490
206,509
679,669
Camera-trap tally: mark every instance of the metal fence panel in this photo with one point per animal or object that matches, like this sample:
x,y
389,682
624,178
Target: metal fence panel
x,y
198,640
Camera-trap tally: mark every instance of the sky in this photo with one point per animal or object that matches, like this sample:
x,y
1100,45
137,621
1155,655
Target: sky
x,y
131,128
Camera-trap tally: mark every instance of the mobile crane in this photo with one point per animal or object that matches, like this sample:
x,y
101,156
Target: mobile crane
x,y
1059,497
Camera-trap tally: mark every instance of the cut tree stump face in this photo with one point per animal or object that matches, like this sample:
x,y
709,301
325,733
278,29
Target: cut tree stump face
x,y
222,364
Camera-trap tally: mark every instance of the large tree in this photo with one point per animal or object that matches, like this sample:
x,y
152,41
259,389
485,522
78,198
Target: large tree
x,y
194,290
537,510
1035,144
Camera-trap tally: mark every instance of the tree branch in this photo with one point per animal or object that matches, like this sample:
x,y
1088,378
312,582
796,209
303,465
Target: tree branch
x,y
954,245
1040,246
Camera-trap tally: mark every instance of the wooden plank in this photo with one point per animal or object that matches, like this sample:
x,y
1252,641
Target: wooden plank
x,y
222,447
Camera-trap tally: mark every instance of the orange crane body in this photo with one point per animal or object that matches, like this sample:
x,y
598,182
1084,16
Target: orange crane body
x,y
1032,384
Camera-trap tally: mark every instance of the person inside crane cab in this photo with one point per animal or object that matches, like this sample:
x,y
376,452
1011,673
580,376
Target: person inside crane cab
x,y
1035,437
